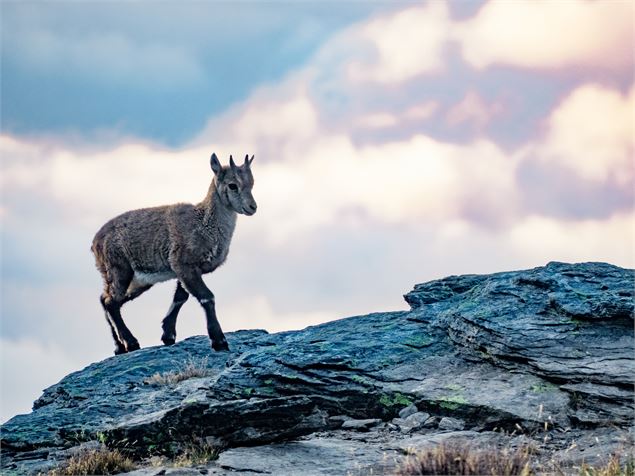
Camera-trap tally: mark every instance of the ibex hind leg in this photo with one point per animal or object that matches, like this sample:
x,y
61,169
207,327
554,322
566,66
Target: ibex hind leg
x,y
113,298
120,347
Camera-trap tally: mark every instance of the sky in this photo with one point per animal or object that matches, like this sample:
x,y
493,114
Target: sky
x,y
395,143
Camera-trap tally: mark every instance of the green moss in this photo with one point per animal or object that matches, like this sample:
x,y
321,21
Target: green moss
x,y
452,402
268,381
248,391
454,387
395,400
360,380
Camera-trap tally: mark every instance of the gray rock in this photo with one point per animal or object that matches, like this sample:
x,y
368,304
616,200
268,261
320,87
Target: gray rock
x,y
311,457
411,422
407,411
418,418
502,351
360,425
453,424
431,422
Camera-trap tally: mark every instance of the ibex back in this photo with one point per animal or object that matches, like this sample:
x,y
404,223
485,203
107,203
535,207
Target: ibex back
x,y
142,247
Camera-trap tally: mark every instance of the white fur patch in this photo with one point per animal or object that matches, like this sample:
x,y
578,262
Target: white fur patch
x,y
145,279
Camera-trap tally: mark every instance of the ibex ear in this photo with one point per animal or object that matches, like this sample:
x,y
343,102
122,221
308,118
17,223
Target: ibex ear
x,y
232,164
246,164
215,163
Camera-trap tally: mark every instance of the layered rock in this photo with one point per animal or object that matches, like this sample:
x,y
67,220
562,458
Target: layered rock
x,y
522,351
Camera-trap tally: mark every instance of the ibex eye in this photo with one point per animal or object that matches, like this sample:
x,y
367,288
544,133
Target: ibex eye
x,y
233,186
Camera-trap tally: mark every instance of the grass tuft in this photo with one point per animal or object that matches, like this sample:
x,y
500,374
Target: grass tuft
x,y
99,461
614,467
459,458
195,454
191,369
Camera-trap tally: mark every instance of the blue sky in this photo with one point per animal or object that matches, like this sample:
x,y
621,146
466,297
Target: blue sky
x,y
153,70
395,143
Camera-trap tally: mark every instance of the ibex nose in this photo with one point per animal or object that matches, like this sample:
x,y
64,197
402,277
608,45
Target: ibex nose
x,y
251,208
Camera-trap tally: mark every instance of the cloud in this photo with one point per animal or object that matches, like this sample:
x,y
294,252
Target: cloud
x,y
543,239
28,366
582,165
550,35
406,44
591,134
258,311
377,120
473,109
275,120
418,40
97,183
421,111
384,120
319,176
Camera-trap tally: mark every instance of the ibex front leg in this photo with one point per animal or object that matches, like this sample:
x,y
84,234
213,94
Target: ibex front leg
x,y
194,284
169,321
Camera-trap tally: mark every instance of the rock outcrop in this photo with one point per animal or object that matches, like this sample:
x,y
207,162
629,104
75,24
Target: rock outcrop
x,y
545,353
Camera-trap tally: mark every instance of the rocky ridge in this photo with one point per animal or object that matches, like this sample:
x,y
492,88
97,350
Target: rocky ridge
x,y
542,355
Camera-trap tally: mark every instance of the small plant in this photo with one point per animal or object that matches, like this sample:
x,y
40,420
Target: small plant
x,y
195,454
96,461
460,458
191,369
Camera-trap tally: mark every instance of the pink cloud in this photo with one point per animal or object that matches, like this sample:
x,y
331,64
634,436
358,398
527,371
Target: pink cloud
x,y
473,109
591,133
541,34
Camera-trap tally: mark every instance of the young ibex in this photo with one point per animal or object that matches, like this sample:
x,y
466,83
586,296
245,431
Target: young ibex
x,y
143,247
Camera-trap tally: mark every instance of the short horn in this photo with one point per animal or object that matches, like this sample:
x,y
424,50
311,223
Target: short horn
x,y
251,160
232,164
246,159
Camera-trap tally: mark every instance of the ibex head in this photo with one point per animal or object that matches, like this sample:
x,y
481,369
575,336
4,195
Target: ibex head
x,y
234,184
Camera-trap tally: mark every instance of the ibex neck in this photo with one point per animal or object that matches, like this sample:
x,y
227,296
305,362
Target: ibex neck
x,y
215,213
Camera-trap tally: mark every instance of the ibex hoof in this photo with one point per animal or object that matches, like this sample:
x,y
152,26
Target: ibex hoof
x,y
220,345
133,346
168,340
120,349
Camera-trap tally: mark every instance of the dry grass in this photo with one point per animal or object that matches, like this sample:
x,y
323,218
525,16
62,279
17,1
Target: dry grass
x,y
459,458
100,461
195,454
614,467
191,369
